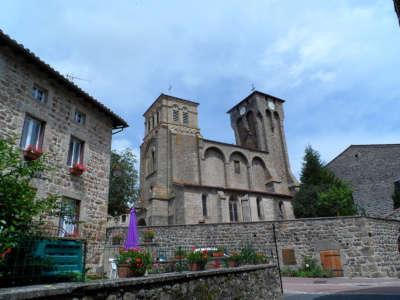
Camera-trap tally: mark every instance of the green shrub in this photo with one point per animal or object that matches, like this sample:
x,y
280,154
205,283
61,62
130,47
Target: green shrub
x,y
309,268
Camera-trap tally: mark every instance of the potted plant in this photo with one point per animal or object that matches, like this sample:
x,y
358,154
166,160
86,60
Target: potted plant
x,y
32,152
123,264
197,259
180,253
117,239
149,235
133,262
77,169
233,259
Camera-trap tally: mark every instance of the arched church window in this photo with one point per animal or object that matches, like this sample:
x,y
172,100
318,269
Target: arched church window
x,y
281,209
204,204
259,208
269,119
185,116
153,158
233,209
175,113
237,166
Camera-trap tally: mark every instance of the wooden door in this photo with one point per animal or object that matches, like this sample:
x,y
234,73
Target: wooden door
x,y
330,260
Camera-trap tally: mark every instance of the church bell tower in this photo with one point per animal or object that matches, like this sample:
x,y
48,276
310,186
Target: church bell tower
x,y
257,122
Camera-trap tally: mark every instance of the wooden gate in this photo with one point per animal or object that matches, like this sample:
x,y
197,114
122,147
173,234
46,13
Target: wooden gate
x,y
330,260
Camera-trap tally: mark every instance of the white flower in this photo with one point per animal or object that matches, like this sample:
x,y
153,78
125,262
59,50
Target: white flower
x,y
307,265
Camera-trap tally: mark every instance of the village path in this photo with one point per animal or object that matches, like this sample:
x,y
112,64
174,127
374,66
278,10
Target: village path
x,y
341,288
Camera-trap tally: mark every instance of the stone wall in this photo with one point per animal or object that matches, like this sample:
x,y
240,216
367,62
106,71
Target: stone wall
x,y
248,282
17,78
367,246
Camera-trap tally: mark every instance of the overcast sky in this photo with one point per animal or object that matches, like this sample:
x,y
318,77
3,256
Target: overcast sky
x,y
336,63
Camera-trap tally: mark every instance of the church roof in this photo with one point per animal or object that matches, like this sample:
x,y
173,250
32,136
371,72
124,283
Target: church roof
x,y
371,147
253,94
169,97
6,41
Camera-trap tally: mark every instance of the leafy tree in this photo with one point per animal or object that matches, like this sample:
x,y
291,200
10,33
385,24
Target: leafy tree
x,y
396,198
123,182
321,193
21,212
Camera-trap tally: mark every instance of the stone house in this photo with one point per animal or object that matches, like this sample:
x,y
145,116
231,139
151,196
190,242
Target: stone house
x,y
373,172
44,111
186,179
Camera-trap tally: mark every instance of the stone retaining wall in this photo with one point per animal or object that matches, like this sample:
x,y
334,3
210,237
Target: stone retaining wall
x,y
367,246
247,282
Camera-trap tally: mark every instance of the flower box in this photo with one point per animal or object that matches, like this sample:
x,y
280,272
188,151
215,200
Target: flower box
x,y
32,153
77,169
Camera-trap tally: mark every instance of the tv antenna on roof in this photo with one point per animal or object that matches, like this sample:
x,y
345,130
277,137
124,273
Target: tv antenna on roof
x,y
253,88
169,88
72,78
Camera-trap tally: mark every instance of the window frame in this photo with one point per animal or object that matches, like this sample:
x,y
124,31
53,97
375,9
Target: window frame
x,y
71,151
82,120
34,93
62,230
40,138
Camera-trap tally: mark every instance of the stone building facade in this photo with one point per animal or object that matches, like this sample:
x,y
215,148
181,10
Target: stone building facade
x,y
373,172
186,179
40,108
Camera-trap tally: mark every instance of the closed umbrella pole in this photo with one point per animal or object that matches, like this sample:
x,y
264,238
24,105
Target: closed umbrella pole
x,y
132,238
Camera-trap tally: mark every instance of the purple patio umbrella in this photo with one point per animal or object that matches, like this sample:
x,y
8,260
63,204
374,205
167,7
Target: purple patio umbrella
x,y
132,238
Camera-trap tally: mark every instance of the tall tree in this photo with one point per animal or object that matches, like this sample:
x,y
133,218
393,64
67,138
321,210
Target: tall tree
x,y
124,189
321,193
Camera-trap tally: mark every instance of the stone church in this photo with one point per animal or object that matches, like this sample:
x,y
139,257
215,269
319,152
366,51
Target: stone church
x,y
187,179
